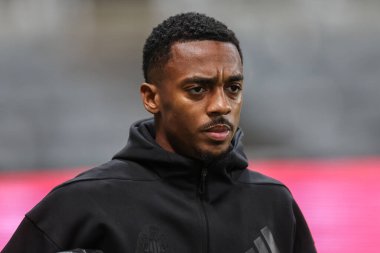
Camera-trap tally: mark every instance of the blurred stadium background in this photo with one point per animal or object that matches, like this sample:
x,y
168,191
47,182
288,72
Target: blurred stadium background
x,y
69,78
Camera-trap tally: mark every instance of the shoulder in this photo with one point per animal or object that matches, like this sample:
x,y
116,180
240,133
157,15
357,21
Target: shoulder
x,y
112,170
88,196
96,184
253,178
265,188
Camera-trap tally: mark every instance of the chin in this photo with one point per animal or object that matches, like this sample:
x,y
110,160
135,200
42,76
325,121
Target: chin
x,y
211,153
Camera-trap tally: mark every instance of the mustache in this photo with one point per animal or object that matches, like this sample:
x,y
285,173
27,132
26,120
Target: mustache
x,y
220,120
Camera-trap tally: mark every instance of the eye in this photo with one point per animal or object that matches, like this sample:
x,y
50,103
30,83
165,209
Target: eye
x,y
197,90
234,88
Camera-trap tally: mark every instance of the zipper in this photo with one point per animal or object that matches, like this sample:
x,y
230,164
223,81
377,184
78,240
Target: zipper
x,y
202,199
202,185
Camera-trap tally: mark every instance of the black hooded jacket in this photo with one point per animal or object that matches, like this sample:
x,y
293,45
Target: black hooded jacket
x,y
149,200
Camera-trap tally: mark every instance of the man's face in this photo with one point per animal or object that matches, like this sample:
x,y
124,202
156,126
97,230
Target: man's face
x,y
199,97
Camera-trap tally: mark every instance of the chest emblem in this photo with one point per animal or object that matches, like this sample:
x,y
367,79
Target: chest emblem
x,y
264,243
152,240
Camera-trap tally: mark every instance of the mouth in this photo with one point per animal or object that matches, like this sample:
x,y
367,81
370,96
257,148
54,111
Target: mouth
x,y
219,132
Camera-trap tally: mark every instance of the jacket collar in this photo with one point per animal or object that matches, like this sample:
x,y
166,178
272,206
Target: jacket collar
x,y
143,149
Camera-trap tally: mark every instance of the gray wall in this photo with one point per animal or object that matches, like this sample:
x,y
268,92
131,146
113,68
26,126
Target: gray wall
x,y
70,72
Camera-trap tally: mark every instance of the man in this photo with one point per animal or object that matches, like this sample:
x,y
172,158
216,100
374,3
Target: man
x,y
181,184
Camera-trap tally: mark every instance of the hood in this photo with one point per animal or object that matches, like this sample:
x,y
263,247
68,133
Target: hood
x,y
143,149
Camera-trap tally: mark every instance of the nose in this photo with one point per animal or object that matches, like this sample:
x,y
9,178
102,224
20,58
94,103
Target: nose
x,y
218,103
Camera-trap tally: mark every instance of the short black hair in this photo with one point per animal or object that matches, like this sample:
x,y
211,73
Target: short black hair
x,y
182,27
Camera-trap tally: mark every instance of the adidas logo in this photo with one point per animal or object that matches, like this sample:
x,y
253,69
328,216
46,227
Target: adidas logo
x,y
264,243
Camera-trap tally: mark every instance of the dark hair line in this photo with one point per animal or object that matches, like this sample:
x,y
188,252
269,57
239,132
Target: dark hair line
x,y
190,26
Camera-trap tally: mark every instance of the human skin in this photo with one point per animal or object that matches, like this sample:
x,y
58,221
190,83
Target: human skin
x,y
196,98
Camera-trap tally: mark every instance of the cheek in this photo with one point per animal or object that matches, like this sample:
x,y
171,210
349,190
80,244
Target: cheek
x,y
177,115
188,120
178,112
184,109
236,108
188,117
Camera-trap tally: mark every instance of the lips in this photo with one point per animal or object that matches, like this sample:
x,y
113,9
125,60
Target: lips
x,y
218,132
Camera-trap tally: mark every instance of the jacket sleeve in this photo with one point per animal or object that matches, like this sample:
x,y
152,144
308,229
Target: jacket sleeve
x,y
29,238
303,241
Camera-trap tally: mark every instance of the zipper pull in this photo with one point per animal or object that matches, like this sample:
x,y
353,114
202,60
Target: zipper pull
x,y
202,186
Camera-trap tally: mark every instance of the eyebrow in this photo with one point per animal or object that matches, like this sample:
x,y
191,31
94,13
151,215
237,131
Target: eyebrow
x,y
211,80
235,78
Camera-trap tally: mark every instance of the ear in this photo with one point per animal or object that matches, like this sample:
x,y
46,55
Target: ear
x,y
150,97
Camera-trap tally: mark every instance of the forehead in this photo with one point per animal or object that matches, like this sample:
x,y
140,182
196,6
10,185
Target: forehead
x,y
203,57
194,50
